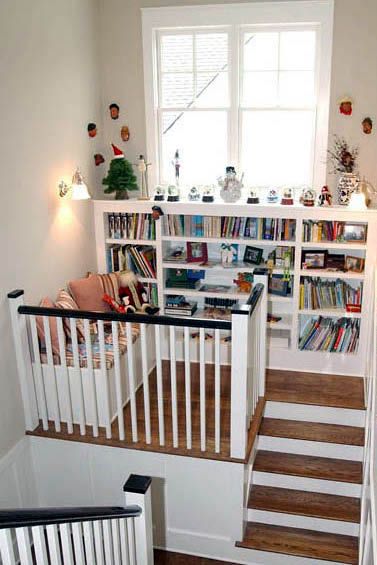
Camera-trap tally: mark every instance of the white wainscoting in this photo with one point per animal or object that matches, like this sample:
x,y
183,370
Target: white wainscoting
x,y
17,479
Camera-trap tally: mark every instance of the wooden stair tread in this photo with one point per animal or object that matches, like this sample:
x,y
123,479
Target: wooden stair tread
x,y
312,431
312,388
313,504
308,466
302,543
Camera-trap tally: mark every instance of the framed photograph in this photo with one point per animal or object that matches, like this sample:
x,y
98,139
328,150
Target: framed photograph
x,y
278,286
314,259
253,255
355,233
197,252
354,264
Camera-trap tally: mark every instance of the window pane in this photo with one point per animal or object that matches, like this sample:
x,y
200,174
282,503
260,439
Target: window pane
x,y
212,90
201,138
177,90
296,88
261,51
277,147
211,51
260,89
176,53
297,50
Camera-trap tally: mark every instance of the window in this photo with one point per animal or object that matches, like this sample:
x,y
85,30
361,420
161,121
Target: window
x,y
246,85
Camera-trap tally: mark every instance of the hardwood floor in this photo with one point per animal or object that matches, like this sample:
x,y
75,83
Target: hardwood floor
x,y
182,449
312,431
301,543
168,558
312,388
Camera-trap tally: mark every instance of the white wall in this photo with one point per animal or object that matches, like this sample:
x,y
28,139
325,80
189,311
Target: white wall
x,y
49,92
353,71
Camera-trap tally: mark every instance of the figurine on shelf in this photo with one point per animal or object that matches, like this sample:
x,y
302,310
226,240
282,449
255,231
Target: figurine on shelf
x,y
143,170
325,198
287,199
194,194
229,253
133,294
253,197
159,193
308,197
177,165
173,193
272,196
208,194
244,282
230,186
156,212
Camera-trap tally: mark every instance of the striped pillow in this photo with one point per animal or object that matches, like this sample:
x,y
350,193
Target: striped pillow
x,y
65,301
110,285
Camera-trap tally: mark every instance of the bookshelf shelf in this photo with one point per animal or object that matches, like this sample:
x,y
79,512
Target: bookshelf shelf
x,y
286,307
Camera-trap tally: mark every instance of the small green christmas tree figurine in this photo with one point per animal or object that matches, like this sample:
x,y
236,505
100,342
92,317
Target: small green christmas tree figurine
x,y
120,177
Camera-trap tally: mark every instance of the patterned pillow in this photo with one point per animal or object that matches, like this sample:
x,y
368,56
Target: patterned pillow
x,y
65,301
110,285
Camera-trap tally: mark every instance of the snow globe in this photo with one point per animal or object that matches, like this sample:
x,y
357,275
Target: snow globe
x,y
208,194
272,196
159,193
287,198
253,197
194,194
173,193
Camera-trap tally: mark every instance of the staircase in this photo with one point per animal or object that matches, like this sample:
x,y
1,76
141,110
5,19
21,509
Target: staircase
x,y
304,499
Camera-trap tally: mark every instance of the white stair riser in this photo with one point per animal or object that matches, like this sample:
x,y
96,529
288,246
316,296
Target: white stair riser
x,y
315,448
304,522
308,413
306,484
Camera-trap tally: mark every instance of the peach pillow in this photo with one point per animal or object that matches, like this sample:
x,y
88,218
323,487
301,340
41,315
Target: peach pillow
x,y
88,294
48,303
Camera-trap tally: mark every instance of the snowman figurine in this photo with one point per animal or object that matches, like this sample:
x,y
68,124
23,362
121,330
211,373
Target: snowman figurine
x,y
325,198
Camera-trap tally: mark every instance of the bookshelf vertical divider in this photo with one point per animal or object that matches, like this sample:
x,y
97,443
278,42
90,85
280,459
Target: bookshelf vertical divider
x,y
289,308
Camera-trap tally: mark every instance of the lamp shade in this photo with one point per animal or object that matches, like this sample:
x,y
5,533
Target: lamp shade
x,y
79,188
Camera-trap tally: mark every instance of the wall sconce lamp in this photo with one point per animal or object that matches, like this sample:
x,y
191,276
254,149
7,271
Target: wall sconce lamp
x,y
78,188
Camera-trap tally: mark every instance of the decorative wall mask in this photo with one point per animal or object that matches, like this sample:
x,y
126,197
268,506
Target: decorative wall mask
x,y
114,111
367,125
125,133
98,159
92,129
345,106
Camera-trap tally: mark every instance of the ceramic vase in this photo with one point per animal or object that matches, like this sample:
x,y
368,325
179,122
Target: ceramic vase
x,y
347,183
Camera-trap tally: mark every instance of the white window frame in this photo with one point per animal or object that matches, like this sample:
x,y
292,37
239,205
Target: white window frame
x,y
316,14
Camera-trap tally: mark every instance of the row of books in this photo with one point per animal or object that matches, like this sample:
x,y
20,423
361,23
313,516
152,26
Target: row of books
x,y
277,229
152,293
141,259
327,294
326,334
317,231
131,226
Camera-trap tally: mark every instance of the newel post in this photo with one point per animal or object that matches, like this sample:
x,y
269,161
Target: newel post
x,y
263,279
138,492
23,359
238,399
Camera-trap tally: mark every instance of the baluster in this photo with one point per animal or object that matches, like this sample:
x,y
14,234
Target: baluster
x,y
78,543
6,548
188,387
160,393
104,376
144,364
217,391
89,542
98,542
131,381
38,375
65,373
92,384
116,542
53,544
108,542
131,540
124,542
202,389
39,542
66,539
24,547
78,375
52,373
173,384
118,383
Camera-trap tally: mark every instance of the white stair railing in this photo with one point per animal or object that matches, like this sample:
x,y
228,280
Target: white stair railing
x,y
82,535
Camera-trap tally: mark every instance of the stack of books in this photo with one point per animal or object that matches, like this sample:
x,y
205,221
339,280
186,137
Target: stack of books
x,y
229,227
141,259
131,226
317,293
179,306
326,334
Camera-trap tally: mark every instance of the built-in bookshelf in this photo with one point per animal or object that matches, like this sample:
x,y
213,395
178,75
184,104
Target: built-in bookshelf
x,y
319,263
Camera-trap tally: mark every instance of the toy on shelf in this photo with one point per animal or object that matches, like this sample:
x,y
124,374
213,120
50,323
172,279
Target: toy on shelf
x,y
272,196
253,197
173,193
244,282
230,186
229,253
287,198
208,194
194,194
156,212
177,166
142,167
308,197
159,193
325,198
133,294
